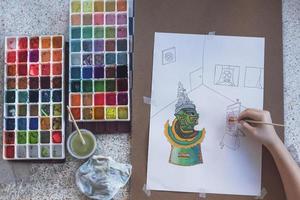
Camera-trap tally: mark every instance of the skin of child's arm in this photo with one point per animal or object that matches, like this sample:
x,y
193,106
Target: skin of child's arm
x,y
266,135
288,169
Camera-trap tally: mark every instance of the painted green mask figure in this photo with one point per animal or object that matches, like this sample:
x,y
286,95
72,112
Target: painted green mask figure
x,y
187,119
185,141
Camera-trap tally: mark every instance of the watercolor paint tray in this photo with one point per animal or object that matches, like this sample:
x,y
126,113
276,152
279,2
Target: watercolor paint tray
x,y
33,125
99,56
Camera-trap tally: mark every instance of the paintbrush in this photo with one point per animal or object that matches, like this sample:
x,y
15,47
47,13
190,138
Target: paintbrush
x,y
234,119
75,124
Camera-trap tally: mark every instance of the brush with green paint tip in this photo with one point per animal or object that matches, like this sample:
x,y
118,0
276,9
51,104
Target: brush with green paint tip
x,y
75,124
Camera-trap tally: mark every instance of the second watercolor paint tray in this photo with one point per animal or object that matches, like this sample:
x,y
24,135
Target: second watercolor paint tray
x,y
33,125
99,53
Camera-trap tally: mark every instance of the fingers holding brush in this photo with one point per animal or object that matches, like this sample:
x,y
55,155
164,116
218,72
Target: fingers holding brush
x,y
262,132
247,128
252,114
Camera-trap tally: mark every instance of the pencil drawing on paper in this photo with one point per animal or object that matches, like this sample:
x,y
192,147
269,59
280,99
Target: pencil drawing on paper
x,y
231,137
184,139
254,77
227,75
196,78
195,87
169,56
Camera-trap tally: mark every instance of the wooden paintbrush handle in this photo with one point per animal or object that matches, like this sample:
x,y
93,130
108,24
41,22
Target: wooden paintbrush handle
x,y
233,119
260,122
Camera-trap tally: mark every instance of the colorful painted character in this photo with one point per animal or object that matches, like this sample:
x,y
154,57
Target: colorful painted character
x,y
185,141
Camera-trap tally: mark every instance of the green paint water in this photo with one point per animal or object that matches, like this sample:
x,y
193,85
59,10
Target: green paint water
x,y
80,149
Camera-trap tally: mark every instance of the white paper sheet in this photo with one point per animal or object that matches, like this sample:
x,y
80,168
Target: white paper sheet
x,y
221,75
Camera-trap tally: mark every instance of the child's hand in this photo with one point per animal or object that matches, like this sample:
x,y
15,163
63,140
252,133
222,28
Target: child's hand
x,y
265,134
262,133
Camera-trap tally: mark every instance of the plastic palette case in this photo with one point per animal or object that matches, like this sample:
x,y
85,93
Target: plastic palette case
x,y
99,60
33,122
